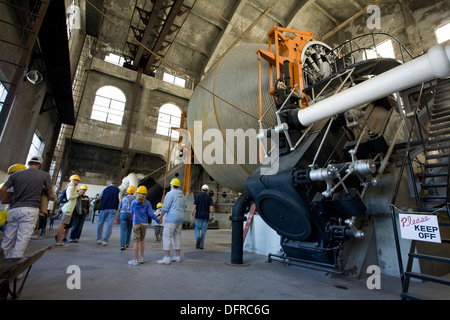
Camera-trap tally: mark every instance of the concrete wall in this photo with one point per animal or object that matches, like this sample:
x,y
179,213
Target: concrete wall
x,y
150,147
412,22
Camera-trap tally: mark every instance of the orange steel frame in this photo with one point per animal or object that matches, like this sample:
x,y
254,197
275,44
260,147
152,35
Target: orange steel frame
x,y
286,48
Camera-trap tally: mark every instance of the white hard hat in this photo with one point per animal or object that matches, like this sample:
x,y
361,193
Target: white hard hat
x,y
205,187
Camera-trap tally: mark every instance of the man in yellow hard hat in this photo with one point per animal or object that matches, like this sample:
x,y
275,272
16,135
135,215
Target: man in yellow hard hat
x,y
79,214
25,202
67,210
173,212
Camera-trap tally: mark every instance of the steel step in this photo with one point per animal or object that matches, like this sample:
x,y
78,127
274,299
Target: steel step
x,y
441,209
435,174
427,277
434,197
443,163
442,120
434,185
438,146
437,115
440,107
429,257
439,126
439,132
437,156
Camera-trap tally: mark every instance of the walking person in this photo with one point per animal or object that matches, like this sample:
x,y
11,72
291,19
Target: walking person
x,y
126,224
203,205
172,211
67,210
110,203
79,215
141,209
5,207
24,205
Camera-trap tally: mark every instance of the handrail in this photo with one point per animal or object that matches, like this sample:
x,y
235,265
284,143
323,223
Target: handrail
x,y
339,48
406,161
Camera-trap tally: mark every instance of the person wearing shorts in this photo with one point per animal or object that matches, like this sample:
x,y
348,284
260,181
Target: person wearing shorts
x,y
141,210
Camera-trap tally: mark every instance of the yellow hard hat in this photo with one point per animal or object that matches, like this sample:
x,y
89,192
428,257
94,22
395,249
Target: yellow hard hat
x,y
175,182
159,205
84,187
3,217
131,190
74,177
142,189
16,167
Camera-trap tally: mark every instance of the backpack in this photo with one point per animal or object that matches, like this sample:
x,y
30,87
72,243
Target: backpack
x,y
63,198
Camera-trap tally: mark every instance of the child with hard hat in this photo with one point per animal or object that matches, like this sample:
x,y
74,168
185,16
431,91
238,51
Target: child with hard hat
x,y
141,209
126,225
158,227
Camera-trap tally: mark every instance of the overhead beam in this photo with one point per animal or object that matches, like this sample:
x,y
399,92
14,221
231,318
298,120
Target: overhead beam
x,y
174,11
147,33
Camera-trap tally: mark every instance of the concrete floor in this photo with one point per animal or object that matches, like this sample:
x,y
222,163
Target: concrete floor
x,y
202,274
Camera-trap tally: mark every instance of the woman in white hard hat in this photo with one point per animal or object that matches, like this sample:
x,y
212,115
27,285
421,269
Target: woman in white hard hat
x,y
173,211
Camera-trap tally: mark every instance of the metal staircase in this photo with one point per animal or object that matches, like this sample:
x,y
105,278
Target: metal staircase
x,y
434,199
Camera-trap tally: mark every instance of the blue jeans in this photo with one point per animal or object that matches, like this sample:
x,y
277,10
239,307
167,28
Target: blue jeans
x,y
77,226
201,226
108,216
126,226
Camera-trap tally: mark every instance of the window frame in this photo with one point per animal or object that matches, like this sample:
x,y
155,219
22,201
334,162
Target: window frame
x,y
106,110
166,120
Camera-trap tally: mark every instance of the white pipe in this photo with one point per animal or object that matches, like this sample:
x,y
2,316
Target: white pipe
x,y
130,180
434,64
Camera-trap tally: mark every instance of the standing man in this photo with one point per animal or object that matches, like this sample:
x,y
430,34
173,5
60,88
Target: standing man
x,y
203,205
24,209
173,212
108,209
79,214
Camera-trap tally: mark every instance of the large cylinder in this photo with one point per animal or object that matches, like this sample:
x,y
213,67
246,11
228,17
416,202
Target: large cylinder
x,y
212,122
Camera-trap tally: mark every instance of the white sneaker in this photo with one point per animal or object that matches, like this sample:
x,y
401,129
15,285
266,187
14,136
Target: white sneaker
x,y
105,243
99,241
175,259
165,260
62,244
133,262
140,260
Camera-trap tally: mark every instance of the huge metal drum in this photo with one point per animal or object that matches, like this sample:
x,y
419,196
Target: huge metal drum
x,y
214,124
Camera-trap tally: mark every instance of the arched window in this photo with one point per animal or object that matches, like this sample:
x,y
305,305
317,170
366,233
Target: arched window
x,y
109,105
169,116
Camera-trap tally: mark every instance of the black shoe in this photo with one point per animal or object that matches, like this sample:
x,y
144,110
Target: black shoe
x,y
198,244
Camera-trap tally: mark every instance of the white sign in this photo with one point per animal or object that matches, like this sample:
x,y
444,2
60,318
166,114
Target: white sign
x,y
420,227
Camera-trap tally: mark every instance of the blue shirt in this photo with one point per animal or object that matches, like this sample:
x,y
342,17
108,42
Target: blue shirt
x,y
141,212
173,206
110,198
125,204
203,202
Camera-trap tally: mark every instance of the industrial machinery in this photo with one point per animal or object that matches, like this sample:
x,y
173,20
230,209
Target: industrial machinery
x,y
325,123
